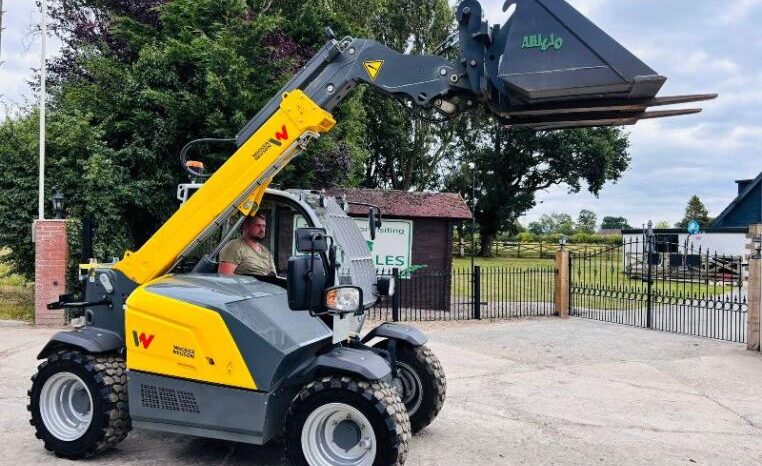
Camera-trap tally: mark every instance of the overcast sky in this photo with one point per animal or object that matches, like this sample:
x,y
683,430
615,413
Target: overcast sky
x,y
700,45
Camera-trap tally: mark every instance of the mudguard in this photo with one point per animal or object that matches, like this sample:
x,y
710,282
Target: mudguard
x,y
88,339
405,333
365,363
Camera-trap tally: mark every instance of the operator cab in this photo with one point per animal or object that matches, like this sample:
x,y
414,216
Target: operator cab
x,y
286,212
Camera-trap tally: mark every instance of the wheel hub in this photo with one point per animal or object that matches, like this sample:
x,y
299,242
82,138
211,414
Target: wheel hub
x,y
338,434
346,435
66,406
412,387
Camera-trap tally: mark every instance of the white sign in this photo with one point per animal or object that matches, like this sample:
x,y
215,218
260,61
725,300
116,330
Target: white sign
x,y
393,245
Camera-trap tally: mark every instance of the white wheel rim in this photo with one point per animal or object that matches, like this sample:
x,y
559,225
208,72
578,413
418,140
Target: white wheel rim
x,y
412,388
66,406
323,443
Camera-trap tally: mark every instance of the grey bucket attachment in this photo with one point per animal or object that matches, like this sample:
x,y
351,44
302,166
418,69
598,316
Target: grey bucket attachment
x,y
552,52
549,67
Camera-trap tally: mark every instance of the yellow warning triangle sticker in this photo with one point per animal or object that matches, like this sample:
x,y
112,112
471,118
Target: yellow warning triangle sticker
x,y
373,67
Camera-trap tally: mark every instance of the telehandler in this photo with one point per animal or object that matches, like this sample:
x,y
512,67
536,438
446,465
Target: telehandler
x,y
166,343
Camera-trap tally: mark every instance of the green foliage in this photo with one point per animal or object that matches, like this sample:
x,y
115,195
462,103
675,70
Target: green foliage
x,y
16,293
526,237
614,223
663,225
561,224
695,211
587,221
18,183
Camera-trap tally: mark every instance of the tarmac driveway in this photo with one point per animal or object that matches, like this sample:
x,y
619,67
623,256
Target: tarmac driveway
x,y
540,391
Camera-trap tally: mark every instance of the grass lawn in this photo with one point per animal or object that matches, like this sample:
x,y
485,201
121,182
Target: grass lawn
x,y
16,294
506,279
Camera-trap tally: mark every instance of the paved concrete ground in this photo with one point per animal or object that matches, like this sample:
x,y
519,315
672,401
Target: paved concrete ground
x,y
535,392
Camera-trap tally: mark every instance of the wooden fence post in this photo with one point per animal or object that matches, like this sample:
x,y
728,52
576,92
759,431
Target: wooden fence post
x,y
755,294
562,284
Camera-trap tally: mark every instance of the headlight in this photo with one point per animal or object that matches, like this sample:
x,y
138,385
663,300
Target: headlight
x,y
344,299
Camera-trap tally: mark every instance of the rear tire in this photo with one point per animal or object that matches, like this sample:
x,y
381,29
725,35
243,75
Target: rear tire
x,y
344,421
78,403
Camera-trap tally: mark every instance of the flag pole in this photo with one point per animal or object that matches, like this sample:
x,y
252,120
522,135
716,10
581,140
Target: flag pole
x,y
43,70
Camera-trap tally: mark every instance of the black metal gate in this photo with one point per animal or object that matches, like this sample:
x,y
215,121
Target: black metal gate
x,y
663,285
465,294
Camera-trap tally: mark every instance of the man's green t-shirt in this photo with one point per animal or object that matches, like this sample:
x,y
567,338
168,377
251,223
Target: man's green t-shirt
x,y
249,260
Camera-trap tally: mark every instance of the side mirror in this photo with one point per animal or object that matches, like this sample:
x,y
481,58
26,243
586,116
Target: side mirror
x,y
374,221
305,283
311,240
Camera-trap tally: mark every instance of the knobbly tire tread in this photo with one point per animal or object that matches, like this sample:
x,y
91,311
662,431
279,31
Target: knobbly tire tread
x,y
109,373
435,378
385,400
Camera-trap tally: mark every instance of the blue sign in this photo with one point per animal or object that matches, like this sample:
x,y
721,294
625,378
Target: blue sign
x,y
693,227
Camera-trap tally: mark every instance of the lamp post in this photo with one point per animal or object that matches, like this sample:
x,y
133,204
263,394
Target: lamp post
x,y
43,78
58,205
471,167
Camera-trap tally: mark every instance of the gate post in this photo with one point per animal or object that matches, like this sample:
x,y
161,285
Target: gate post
x,y
562,291
51,254
396,295
477,278
755,293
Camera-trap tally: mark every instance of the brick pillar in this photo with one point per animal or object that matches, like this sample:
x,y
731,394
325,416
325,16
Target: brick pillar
x,y
562,284
755,295
51,253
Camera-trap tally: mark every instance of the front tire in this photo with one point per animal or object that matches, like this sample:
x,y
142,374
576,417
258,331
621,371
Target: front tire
x,y
342,421
424,385
78,403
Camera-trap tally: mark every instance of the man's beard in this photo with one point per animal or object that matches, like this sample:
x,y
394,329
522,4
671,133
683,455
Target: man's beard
x,y
254,237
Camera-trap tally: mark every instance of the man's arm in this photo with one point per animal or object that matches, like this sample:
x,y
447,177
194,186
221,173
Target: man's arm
x,y
227,268
229,260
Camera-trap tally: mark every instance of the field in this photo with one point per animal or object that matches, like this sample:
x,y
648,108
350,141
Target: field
x,y
16,294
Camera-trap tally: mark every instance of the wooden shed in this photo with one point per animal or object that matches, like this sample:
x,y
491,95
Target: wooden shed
x,y
423,220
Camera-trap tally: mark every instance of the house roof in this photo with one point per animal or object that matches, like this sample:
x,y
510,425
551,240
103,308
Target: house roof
x,y
751,188
407,204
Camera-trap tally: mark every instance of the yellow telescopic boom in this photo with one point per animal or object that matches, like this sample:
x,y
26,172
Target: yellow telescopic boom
x,y
283,136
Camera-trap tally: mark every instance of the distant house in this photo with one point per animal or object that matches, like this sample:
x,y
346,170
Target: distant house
x,y
746,208
726,235
610,231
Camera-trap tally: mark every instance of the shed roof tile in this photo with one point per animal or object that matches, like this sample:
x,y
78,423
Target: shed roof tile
x,y
407,204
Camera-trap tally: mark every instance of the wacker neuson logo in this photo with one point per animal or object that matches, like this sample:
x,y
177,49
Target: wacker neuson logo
x,y
184,352
281,135
542,42
142,339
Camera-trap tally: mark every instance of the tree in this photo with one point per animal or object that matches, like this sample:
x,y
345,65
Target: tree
x,y
405,149
137,79
695,211
512,165
615,223
663,225
552,224
587,221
